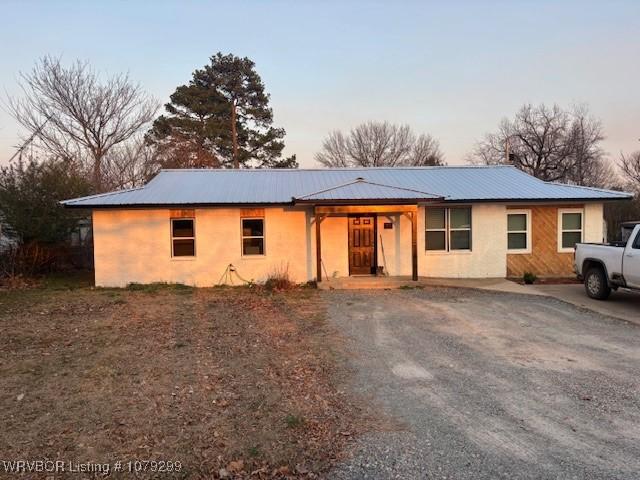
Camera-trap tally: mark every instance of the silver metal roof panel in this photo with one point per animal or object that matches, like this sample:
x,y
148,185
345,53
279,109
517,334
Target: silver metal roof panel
x,y
281,186
360,189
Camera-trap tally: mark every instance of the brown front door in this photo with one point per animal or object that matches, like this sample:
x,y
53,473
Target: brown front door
x,y
362,241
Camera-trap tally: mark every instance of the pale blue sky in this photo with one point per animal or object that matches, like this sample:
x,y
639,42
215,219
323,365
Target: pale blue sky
x,y
452,69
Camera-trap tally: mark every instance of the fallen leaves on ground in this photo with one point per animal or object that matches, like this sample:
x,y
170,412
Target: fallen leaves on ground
x,y
230,382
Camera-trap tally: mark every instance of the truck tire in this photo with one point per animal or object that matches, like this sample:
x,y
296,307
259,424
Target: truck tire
x,y
595,284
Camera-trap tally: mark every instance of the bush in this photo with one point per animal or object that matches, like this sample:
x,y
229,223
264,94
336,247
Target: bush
x,y
279,279
36,228
529,278
35,258
29,260
29,196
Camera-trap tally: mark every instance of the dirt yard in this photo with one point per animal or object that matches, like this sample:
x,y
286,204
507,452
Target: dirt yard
x,y
225,381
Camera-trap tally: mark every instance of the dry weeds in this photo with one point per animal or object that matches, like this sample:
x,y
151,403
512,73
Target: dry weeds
x,y
227,381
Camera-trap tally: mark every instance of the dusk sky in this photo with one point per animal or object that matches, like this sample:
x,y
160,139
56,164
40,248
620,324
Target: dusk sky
x,y
450,69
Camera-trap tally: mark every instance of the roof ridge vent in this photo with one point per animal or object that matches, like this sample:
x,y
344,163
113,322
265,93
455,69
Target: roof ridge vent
x,y
360,179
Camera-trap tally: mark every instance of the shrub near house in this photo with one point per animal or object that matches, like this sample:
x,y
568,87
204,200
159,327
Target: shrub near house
x,y
33,223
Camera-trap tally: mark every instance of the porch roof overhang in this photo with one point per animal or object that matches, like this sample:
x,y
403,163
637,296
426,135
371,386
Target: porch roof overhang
x,y
363,192
351,208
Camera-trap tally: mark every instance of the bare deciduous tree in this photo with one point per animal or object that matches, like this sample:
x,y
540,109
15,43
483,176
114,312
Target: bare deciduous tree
x,y
588,160
130,164
536,141
76,116
379,144
551,144
630,167
426,152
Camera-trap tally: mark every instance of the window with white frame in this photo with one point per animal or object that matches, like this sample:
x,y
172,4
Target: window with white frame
x,y
436,232
519,231
183,237
570,227
448,229
253,236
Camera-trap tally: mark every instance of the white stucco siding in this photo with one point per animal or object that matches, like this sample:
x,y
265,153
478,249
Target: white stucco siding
x,y
594,223
488,255
135,246
394,245
334,233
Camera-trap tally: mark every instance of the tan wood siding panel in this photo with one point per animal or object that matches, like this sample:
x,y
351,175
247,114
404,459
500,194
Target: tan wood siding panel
x,y
183,213
251,212
544,259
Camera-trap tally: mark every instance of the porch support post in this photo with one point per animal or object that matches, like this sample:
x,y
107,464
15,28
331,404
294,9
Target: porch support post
x,y
414,246
318,249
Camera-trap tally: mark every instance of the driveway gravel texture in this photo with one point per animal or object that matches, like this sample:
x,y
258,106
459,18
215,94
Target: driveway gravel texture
x,y
486,385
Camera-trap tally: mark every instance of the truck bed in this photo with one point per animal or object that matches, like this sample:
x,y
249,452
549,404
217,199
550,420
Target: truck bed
x,y
609,254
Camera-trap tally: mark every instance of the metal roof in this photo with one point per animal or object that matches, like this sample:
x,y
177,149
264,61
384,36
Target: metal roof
x,y
360,189
283,186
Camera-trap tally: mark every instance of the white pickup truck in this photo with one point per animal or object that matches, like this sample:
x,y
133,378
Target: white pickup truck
x,y
608,266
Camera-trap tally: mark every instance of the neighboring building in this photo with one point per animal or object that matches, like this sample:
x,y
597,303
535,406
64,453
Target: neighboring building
x,y
7,239
188,226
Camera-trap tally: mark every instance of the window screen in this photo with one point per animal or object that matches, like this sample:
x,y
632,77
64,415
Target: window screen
x,y
436,231
460,228
183,239
517,231
448,228
253,236
571,225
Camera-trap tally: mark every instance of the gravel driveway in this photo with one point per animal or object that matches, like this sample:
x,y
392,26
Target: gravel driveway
x,y
491,385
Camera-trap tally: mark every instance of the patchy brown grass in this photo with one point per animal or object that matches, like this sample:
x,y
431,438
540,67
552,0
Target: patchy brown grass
x,y
242,379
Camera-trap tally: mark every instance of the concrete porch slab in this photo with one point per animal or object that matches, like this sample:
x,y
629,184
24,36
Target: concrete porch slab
x,y
373,283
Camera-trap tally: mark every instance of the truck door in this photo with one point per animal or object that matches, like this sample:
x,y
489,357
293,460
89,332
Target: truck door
x,y
631,261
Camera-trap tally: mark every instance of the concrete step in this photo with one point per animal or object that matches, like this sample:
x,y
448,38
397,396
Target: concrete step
x,y
367,283
385,283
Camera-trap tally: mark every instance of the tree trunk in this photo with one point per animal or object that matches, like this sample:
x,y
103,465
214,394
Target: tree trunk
x,y
234,136
97,174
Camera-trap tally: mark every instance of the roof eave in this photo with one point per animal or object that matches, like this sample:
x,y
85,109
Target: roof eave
x,y
368,201
176,205
538,200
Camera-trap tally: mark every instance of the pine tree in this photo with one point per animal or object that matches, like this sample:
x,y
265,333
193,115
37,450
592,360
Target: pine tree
x,y
221,118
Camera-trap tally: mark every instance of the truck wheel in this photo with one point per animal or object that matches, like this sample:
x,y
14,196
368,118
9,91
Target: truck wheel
x,y
595,283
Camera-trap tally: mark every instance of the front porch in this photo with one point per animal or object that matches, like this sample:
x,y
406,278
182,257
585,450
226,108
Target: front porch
x,y
361,204
362,239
